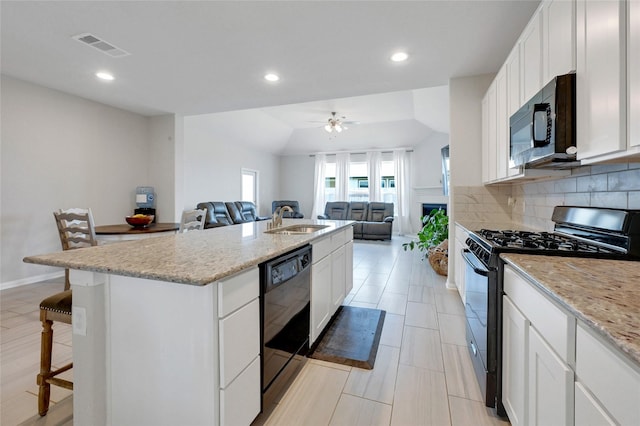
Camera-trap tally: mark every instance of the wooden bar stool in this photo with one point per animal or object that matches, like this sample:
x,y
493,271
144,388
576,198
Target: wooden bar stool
x,y
53,308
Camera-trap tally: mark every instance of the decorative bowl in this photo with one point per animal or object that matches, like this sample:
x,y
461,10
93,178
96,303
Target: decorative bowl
x,y
139,220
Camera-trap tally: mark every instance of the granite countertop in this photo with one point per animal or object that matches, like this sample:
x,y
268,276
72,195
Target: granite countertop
x,y
605,294
196,258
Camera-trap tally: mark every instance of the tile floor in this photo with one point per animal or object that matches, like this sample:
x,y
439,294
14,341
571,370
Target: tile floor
x,y
422,374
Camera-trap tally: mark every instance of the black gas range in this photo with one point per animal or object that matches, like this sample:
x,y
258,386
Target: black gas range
x,y
578,232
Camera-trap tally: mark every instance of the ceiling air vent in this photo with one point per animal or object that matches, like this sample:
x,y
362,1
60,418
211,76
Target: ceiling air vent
x,y
101,45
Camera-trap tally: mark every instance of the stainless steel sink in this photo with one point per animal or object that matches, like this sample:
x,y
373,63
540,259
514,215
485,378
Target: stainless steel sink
x,y
297,229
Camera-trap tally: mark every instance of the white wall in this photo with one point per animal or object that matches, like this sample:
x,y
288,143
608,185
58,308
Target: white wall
x,y
161,161
62,151
212,166
296,181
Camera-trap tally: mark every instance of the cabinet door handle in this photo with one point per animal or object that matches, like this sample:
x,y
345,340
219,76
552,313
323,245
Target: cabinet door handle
x,y
474,349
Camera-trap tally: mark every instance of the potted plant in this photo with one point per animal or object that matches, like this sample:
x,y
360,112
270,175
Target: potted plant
x,y
432,240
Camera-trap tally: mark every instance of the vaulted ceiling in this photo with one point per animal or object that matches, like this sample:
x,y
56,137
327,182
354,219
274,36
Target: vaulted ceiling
x,y
209,57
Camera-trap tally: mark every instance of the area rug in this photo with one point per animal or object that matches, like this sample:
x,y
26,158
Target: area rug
x,y
351,338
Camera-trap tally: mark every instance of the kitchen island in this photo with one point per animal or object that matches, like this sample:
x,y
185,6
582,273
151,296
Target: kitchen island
x,y
166,330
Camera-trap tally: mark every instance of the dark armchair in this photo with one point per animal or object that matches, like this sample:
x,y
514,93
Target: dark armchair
x,y
296,214
335,210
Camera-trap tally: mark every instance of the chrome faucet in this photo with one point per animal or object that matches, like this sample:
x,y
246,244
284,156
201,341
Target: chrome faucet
x,y
276,219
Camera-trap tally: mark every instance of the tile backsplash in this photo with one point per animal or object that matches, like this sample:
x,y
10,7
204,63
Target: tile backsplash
x,y
531,204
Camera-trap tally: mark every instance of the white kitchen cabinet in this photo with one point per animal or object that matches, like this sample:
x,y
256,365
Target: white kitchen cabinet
x,y
633,58
610,379
514,88
502,125
538,352
559,38
331,279
461,236
601,78
515,335
531,56
239,348
588,411
338,277
320,296
485,138
550,385
348,269
489,124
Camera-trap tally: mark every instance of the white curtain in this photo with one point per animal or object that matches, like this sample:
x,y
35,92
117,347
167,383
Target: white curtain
x,y
342,176
319,185
374,160
402,174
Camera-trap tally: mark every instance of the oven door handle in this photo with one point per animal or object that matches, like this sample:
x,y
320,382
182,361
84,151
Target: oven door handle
x,y
477,267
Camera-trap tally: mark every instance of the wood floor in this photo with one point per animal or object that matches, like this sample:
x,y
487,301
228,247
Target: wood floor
x,y
422,374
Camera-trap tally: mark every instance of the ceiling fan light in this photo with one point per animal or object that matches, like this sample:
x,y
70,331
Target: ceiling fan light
x,y
399,57
338,128
328,128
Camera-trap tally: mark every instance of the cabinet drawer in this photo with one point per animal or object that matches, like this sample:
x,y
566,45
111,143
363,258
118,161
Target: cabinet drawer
x,y
557,327
321,249
239,341
609,377
240,401
338,239
237,291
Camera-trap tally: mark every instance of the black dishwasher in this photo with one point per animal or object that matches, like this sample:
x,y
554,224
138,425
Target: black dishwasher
x,y
285,313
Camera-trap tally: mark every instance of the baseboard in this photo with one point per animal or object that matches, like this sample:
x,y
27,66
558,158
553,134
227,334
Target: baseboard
x,y
31,280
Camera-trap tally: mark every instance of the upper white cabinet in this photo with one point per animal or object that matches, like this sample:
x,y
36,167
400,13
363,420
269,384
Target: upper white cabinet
x,y
633,58
546,48
559,38
514,89
502,125
531,56
601,77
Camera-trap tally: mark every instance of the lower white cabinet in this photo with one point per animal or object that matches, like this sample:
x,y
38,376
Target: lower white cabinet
x,y
537,381
331,277
610,382
338,277
348,269
588,411
549,383
515,329
239,348
320,296
240,401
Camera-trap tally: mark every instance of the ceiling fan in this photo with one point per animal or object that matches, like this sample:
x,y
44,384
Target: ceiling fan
x,y
337,124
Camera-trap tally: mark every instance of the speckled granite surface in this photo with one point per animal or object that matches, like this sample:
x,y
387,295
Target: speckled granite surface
x,y
196,258
605,294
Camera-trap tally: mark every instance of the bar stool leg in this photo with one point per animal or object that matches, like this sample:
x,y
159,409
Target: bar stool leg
x,y
46,348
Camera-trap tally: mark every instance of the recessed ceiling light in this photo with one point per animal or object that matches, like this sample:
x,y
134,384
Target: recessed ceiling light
x,y
399,57
271,77
105,76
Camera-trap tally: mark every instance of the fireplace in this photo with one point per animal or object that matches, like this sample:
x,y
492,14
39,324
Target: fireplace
x,y
429,207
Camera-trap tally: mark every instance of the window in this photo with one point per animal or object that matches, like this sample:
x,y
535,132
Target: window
x,y
389,194
359,181
250,186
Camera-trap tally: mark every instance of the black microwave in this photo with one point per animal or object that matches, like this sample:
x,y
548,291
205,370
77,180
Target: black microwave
x,y
543,132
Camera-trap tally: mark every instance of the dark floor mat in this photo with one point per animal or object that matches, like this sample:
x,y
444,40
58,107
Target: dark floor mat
x,y
351,338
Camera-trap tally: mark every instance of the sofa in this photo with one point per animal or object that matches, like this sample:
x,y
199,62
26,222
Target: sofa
x,y
220,213
374,220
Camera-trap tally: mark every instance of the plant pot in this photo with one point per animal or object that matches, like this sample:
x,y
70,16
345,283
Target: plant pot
x,y
439,258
